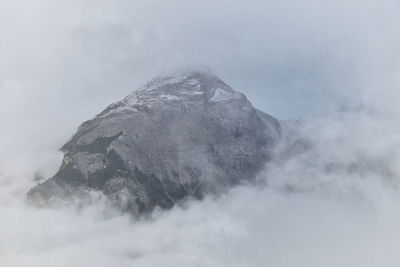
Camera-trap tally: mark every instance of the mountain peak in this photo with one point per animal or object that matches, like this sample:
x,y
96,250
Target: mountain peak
x,y
182,86
185,80
178,136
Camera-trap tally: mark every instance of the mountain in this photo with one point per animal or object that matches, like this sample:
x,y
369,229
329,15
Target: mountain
x,y
178,136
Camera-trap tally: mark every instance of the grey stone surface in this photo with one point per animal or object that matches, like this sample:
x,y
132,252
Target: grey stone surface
x,y
179,136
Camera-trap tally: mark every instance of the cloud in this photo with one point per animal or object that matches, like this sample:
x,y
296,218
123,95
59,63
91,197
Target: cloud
x,y
335,204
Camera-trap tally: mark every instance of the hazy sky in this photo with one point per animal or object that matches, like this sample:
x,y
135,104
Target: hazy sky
x,y
292,58
61,62
64,61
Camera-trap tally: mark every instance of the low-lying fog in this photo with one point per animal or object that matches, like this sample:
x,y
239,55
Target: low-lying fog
x,y
330,197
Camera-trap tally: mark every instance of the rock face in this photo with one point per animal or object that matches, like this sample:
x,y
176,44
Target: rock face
x,y
180,136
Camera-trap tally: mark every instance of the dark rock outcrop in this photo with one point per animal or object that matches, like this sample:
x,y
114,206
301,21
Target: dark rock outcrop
x,y
178,136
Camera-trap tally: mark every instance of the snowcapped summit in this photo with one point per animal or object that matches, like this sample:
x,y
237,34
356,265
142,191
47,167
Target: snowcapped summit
x,y
193,86
177,136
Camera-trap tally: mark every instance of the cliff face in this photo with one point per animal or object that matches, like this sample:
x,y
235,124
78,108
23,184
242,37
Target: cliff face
x,y
185,135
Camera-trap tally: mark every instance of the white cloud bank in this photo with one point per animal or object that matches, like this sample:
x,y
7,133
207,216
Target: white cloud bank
x,y
337,204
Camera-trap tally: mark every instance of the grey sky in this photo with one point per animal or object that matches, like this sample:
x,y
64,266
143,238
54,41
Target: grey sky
x,y
291,57
64,61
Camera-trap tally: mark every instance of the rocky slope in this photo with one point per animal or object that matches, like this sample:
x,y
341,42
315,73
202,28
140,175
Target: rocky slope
x,y
180,136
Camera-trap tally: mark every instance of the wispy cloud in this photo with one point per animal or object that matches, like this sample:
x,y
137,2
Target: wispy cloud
x,y
62,62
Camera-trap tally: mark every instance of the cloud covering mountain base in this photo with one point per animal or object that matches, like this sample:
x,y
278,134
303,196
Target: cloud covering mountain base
x,y
334,203
330,197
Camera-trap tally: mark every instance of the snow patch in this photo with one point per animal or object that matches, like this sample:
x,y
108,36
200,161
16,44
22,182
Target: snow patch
x,y
223,95
193,82
198,93
169,97
157,83
131,99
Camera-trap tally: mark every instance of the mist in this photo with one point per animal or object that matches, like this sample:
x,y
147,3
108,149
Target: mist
x,y
330,195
